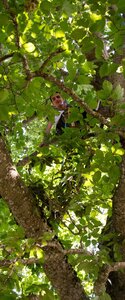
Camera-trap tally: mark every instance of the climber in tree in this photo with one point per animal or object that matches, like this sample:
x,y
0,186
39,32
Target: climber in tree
x,y
60,119
64,109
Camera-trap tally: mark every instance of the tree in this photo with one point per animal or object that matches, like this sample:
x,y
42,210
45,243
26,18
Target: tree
x,y
62,197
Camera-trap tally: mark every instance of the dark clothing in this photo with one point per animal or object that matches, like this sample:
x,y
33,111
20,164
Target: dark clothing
x,y
61,124
60,121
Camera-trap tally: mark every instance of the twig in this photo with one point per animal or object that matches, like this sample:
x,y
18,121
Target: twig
x,y
26,67
58,51
74,233
17,38
67,251
27,159
30,119
73,222
28,261
13,18
6,56
78,251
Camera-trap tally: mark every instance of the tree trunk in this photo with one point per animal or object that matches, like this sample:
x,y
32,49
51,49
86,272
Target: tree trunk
x,y
116,283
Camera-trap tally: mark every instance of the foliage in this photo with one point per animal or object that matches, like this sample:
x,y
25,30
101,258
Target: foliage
x,y
76,172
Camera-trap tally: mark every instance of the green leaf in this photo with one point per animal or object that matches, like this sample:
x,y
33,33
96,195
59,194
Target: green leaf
x,y
78,34
29,47
104,296
107,68
120,5
97,176
114,172
107,86
45,6
59,34
95,17
118,40
68,7
3,19
7,297
4,94
118,93
4,112
71,69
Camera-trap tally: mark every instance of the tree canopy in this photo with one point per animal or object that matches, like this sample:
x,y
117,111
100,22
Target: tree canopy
x,y
62,197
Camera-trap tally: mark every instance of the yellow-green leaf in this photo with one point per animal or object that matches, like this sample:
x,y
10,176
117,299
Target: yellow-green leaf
x,y
59,34
29,47
94,17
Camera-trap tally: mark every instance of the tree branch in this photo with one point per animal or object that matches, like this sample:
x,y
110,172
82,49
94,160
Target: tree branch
x,y
99,286
13,18
28,261
119,203
30,119
17,37
18,197
100,283
2,58
118,266
58,51
32,260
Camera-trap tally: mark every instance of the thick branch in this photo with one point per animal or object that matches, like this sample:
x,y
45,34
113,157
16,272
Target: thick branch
x,y
18,197
60,273
104,274
119,203
100,283
118,266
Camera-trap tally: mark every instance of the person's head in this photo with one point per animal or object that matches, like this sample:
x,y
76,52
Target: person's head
x,y
58,102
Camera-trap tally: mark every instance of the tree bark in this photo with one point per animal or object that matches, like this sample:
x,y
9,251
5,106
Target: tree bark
x,y
119,203
18,196
116,284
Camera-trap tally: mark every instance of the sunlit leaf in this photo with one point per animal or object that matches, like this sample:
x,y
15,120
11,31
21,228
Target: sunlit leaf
x,y
29,47
59,34
94,17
